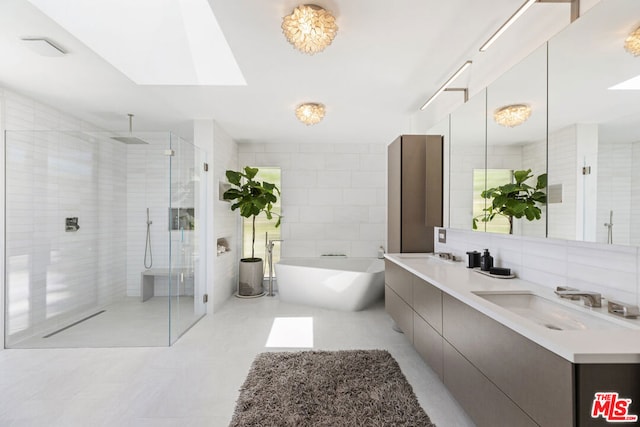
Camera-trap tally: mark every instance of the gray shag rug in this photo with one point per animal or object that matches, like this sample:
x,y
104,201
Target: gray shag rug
x,y
327,388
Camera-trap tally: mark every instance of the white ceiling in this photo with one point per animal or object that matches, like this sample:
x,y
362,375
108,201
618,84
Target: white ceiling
x,y
386,60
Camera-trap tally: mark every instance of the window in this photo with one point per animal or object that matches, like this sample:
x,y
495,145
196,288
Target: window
x,y
263,225
493,178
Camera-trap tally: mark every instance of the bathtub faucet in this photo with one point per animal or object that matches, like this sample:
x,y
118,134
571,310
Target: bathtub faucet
x,y
270,244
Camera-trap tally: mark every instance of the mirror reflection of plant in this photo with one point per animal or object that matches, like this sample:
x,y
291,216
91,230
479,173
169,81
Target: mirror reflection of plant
x,y
252,197
515,200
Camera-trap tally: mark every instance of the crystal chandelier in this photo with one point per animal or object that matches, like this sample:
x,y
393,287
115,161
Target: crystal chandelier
x,y
310,113
309,28
632,43
512,115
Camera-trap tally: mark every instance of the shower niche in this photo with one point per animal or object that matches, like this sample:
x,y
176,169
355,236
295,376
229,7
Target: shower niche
x,y
181,219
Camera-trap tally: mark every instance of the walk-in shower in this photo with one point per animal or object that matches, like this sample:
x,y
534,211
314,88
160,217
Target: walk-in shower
x,y
85,267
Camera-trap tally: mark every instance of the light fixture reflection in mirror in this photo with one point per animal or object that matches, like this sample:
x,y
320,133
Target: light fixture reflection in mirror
x,y
512,115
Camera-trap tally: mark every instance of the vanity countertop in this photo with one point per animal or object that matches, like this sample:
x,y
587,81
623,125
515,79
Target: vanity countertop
x,y
618,344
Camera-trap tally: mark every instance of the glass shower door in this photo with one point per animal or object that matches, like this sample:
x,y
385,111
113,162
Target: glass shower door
x,y
187,195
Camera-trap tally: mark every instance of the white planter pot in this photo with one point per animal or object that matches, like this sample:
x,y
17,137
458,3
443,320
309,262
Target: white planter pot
x,y
251,277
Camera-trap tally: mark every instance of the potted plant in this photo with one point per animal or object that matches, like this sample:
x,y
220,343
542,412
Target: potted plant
x,y
252,198
515,199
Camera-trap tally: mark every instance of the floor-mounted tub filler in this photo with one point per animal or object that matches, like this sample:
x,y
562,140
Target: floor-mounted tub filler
x,y
337,283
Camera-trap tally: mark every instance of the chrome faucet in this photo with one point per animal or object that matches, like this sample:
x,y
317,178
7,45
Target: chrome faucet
x,y
591,299
270,243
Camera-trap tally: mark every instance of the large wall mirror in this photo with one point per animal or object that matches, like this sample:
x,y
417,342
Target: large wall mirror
x,y
468,148
516,142
594,129
578,122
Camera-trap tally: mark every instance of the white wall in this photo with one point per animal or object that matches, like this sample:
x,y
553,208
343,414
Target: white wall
x,y
333,196
615,191
562,170
467,158
608,269
222,279
55,275
150,172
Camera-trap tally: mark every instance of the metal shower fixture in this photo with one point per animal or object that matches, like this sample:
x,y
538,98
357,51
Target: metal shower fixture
x,y
129,139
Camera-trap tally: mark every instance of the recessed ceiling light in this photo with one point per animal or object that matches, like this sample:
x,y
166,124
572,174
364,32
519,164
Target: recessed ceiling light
x,y
44,46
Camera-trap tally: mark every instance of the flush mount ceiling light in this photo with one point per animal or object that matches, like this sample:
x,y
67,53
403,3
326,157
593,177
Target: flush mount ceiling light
x,y
309,28
512,115
632,43
310,113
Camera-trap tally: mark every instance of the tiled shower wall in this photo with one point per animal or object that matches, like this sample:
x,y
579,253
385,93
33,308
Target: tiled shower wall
x,y
611,270
333,195
618,192
55,275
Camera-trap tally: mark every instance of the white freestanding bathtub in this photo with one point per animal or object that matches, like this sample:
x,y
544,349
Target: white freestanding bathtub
x,y
337,283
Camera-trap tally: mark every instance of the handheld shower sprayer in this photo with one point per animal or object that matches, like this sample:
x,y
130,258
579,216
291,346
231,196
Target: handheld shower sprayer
x,y
147,247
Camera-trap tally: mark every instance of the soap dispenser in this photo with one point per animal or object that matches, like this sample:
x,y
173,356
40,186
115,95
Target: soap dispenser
x,y
486,261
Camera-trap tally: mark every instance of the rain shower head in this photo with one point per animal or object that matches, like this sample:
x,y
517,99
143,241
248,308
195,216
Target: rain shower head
x,y
129,139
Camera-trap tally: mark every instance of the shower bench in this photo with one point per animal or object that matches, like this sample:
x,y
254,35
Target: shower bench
x,y
148,277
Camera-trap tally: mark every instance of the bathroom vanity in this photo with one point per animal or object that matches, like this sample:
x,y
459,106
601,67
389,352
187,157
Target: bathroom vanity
x,y
513,353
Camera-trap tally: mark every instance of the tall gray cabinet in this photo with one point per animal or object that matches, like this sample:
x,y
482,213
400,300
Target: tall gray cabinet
x,y
414,201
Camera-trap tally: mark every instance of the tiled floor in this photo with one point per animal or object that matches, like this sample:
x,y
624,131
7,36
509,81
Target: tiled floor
x,y
125,323
195,382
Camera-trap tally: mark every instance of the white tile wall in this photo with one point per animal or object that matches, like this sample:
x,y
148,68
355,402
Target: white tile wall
x,y
333,195
226,223
616,191
52,275
562,170
611,270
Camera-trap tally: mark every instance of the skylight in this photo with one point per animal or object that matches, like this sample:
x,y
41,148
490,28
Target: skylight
x,y
152,42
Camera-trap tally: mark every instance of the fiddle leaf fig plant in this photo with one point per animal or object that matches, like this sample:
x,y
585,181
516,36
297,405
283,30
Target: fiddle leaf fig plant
x,y
515,199
252,197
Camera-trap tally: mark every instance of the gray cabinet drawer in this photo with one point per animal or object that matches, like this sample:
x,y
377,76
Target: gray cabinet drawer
x,y
537,380
400,280
482,400
428,344
400,312
427,302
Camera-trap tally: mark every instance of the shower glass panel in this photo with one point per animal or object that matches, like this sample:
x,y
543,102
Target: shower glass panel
x,y
92,259
186,206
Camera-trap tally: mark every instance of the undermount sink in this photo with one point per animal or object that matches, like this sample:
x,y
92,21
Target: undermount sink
x,y
546,312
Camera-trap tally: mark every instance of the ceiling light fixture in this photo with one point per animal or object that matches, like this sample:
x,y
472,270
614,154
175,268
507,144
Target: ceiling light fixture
x,y
310,113
309,28
518,13
574,14
444,86
632,43
512,115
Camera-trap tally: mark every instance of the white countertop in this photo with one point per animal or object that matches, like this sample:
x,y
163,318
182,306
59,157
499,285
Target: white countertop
x,y
613,345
